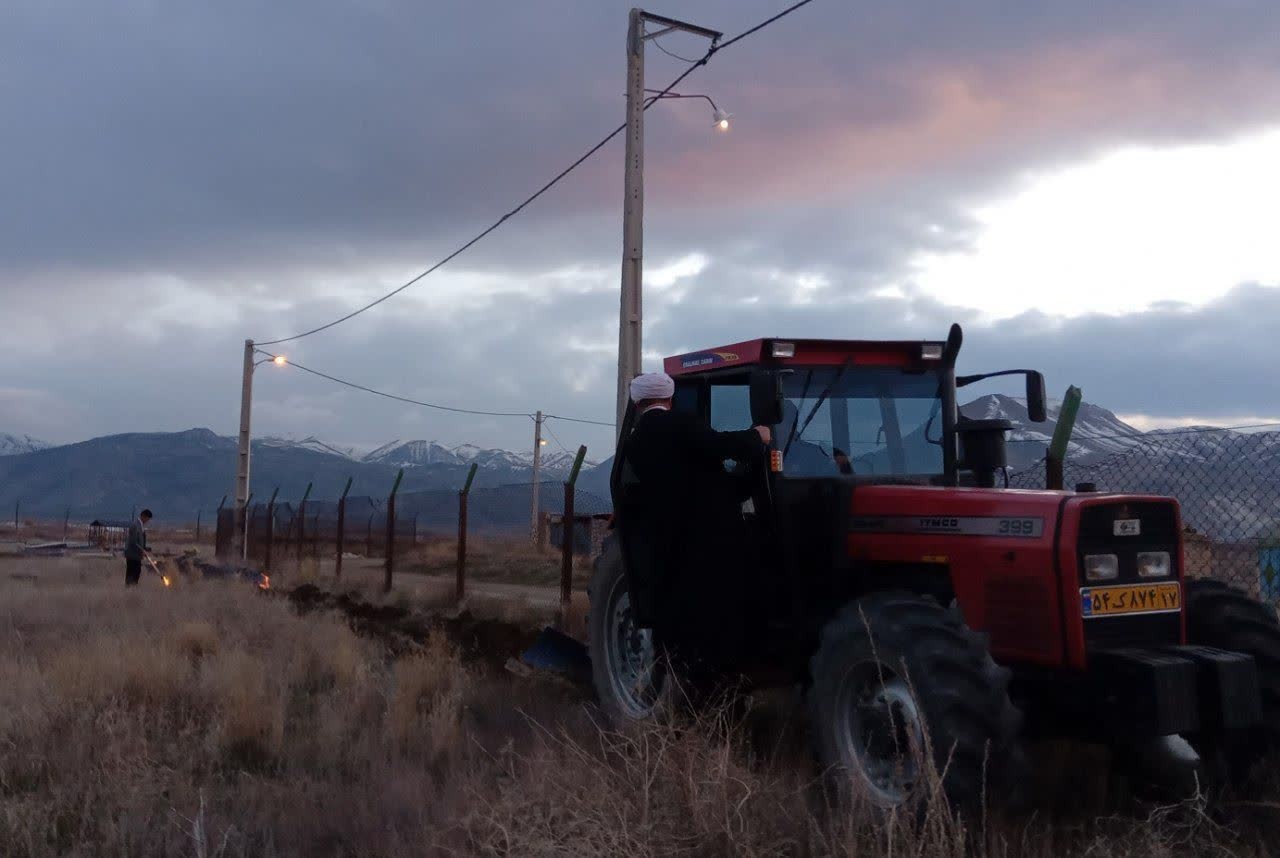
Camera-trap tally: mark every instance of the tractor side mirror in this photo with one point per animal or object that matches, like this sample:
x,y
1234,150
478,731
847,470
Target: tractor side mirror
x,y
766,398
1036,397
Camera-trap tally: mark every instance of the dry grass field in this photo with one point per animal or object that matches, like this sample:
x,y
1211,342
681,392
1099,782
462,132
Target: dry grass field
x,y
210,719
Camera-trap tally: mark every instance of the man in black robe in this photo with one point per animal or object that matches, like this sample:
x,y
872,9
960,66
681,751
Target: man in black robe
x,y
685,523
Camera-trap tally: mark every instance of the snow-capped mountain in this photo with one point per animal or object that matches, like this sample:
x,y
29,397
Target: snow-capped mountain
x,y
420,453
14,445
309,443
1097,432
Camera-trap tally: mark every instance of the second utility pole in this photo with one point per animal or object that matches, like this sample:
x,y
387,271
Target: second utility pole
x,y
535,513
239,540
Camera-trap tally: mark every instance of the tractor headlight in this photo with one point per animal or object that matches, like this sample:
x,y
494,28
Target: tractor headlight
x,y
1101,567
1153,564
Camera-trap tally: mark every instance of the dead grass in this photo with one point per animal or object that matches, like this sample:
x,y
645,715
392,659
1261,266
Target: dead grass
x,y
497,559
210,719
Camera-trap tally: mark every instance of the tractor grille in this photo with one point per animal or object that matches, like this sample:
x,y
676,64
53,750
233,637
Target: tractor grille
x,y
1134,630
1158,532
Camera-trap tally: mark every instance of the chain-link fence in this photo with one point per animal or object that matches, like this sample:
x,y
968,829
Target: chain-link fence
x,y
358,524
1227,483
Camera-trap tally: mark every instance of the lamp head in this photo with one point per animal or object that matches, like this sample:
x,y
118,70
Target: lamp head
x,y
721,119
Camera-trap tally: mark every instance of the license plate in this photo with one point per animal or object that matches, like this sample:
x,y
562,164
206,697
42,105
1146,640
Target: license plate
x,y
1130,599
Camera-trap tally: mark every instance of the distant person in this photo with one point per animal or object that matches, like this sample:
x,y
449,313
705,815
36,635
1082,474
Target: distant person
x,y
135,548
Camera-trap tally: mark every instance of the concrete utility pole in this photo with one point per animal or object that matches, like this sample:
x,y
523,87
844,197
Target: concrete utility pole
x,y
631,307
240,546
631,310
535,511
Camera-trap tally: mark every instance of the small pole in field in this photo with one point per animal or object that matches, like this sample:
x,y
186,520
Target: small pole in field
x,y
342,529
566,539
460,587
391,533
302,523
197,527
271,529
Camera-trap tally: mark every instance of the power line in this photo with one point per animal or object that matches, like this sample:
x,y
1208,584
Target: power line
x,y
738,38
434,405
398,398
658,45
554,437
576,420
694,64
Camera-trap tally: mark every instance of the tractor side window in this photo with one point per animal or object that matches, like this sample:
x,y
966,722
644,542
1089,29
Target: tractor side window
x,y
730,407
685,400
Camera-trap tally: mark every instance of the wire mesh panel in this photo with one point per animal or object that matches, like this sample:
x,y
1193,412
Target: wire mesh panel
x,y
1228,485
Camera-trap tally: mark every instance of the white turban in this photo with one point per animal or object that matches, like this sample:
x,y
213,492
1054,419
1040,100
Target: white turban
x,y
652,385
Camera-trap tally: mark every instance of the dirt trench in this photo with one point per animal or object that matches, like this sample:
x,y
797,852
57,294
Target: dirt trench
x,y
481,642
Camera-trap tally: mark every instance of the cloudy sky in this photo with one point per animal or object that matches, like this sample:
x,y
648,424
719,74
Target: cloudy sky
x,y
1091,188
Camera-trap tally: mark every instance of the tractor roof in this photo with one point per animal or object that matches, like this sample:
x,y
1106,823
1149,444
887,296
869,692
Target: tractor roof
x,y
777,351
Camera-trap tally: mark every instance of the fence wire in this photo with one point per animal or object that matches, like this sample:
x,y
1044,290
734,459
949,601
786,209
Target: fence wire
x,y
1228,486
288,528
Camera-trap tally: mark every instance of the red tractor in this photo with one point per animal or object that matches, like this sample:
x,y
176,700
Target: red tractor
x,y
925,608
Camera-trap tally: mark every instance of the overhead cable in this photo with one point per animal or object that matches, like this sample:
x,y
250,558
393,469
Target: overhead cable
x,y
694,64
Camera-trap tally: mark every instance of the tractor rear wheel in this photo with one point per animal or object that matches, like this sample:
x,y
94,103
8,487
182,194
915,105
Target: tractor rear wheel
x,y
901,686
1222,616
630,677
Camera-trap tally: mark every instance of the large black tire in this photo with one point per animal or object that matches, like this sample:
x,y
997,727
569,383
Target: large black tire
x,y
631,679
1226,617
895,677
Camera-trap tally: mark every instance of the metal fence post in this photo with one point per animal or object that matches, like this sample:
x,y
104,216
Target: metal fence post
x,y
342,529
271,529
391,533
567,538
460,588
302,522
243,555
218,535
66,525
1057,452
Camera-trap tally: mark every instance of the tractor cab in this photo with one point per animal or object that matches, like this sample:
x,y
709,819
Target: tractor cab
x,y
869,411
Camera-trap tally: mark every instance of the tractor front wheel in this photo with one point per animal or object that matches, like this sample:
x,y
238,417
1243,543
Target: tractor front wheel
x,y
902,691
630,677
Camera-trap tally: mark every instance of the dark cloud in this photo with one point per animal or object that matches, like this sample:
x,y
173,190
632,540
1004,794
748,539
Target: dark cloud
x,y
178,176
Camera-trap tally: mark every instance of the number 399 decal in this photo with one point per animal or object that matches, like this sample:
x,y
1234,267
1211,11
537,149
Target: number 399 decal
x,y
960,525
1019,527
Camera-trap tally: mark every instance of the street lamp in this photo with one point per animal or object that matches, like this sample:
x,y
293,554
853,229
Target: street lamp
x,y
631,304
719,118
240,546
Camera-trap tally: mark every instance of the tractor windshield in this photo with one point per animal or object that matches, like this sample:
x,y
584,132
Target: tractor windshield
x,y
873,421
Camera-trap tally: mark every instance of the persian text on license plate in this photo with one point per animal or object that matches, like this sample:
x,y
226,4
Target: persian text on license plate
x,y
1130,599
